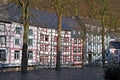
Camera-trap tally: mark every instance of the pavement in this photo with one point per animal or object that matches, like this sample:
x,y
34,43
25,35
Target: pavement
x,y
87,73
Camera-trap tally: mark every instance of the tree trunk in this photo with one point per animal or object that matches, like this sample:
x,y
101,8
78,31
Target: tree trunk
x,y
103,46
58,66
58,9
103,32
25,20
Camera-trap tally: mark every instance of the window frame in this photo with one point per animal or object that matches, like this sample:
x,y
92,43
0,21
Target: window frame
x,y
79,58
66,49
79,49
30,42
79,41
74,58
74,49
42,48
75,41
17,40
74,32
18,30
3,55
66,39
16,55
1,40
46,37
55,38
2,29
30,32
30,55
42,37
46,47
55,49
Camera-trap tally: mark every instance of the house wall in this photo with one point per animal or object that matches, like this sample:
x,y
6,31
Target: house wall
x,y
49,55
11,46
94,43
114,55
44,45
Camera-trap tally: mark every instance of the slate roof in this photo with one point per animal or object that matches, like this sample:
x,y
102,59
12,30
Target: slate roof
x,y
116,45
91,21
38,18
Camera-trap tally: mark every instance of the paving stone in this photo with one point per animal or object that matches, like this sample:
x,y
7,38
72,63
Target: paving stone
x,y
89,73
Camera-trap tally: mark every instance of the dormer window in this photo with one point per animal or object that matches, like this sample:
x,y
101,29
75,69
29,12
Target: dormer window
x,y
17,30
73,32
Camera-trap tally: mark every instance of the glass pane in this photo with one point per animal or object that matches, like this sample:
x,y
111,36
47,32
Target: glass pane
x,y
30,33
17,30
30,42
17,42
30,55
17,55
2,55
2,27
2,39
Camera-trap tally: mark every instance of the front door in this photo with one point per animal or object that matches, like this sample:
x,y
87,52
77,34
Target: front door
x,y
89,58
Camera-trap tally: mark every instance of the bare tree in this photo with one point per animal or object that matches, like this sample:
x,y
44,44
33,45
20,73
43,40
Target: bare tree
x,y
58,10
25,7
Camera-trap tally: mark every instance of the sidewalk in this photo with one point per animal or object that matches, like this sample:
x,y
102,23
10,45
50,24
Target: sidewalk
x,y
50,74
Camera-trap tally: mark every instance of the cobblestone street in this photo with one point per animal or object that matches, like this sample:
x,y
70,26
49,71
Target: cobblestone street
x,y
50,74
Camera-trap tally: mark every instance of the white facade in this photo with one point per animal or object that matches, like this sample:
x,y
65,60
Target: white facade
x,y
14,40
42,45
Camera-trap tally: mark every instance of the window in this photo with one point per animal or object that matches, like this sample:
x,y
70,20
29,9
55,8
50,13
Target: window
x,y
89,43
45,29
66,49
30,54
17,30
46,47
73,32
41,37
75,41
66,39
30,32
46,37
66,32
78,58
30,42
2,27
116,52
79,41
54,48
17,55
42,48
79,49
55,38
78,32
74,49
2,39
74,58
17,41
2,55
